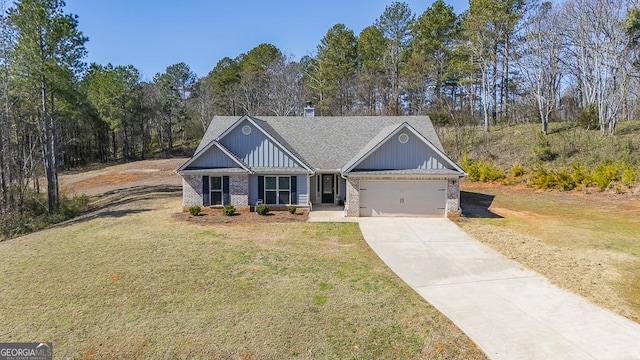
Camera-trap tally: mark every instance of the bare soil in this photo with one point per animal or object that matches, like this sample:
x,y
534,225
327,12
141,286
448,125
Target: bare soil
x,y
107,181
216,217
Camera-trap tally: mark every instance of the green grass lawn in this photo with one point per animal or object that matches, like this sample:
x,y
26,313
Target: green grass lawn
x,y
135,282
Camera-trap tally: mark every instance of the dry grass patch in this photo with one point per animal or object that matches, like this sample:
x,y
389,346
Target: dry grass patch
x,y
134,282
586,243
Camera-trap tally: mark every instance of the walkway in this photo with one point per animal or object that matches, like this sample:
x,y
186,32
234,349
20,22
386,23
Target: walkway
x,y
329,213
509,312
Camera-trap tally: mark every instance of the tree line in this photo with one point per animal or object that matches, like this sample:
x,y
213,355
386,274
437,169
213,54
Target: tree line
x,y
499,62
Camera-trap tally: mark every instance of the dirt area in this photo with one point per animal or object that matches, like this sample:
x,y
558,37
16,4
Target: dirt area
x,y
530,227
104,181
216,217
125,183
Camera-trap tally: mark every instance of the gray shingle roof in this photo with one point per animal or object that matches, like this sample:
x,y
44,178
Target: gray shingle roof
x,y
323,142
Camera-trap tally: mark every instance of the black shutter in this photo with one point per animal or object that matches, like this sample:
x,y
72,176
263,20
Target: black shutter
x,y
294,190
226,198
205,191
261,188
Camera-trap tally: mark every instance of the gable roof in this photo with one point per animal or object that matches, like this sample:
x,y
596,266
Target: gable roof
x,y
383,136
214,143
270,133
322,142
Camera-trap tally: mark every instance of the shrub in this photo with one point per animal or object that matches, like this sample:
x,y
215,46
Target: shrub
x,y
628,174
605,174
579,174
541,178
564,180
262,209
228,210
517,170
473,172
489,172
588,118
542,150
194,210
465,162
34,216
291,209
481,170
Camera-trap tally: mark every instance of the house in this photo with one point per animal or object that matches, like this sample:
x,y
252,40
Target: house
x,y
375,166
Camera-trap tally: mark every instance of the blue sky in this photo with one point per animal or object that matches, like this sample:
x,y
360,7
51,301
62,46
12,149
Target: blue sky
x,y
152,35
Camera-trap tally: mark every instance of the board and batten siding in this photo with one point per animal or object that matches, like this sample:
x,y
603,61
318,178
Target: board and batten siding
x,y
394,155
302,189
256,149
213,158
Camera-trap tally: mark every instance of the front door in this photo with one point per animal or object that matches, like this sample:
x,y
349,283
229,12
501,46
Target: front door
x,y
328,186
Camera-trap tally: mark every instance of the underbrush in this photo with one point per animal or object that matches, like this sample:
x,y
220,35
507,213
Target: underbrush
x,y
620,177
33,214
570,157
565,144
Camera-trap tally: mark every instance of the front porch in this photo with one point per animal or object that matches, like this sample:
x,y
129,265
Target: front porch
x,y
327,188
329,213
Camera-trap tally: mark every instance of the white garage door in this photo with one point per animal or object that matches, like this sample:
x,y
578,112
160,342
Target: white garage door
x,y
403,198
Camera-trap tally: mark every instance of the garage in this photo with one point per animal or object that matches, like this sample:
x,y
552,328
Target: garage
x,y
403,198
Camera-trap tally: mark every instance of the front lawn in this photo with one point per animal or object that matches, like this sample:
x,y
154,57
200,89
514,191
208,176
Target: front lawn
x,y
136,282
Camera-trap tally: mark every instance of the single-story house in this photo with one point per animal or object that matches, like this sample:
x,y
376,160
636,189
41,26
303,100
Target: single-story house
x,y
374,166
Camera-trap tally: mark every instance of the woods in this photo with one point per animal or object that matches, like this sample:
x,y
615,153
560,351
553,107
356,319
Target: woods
x,y
500,62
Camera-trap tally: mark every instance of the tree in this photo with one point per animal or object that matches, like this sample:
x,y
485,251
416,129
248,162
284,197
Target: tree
x,y
6,57
488,27
254,65
371,47
539,60
599,49
395,25
115,93
174,87
284,89
225,78
49,46
334,69
432,47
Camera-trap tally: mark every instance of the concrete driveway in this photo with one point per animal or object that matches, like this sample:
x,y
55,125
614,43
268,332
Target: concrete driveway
x,y
508,311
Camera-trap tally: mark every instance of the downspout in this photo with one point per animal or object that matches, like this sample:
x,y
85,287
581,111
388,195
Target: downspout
x,y
346,194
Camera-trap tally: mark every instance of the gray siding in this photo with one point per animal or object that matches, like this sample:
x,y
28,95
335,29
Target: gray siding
x,y
393,155
302,187
303,190
213,158
253,189
256,149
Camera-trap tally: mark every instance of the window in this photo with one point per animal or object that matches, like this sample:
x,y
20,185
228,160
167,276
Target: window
x,y
216,190
277,190
246,129
403,138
